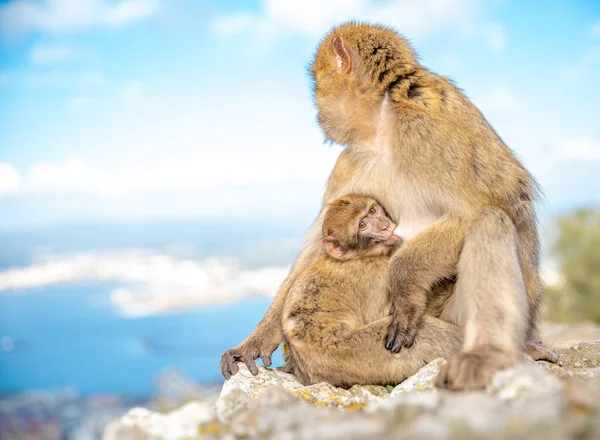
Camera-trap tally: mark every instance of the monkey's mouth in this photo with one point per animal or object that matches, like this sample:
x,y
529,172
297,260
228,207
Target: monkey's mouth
x,y
394,239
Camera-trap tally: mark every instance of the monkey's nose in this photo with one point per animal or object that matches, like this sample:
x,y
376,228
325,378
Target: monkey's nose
x,y
389,227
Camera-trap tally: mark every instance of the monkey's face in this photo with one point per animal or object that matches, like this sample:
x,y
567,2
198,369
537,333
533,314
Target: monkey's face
x,y
357,226
376,227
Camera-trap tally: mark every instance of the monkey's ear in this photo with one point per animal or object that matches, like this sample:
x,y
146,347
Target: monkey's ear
x,y
334,249
342,57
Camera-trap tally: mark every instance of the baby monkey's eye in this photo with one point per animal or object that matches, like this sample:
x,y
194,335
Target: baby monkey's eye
x,y
362,225
373,211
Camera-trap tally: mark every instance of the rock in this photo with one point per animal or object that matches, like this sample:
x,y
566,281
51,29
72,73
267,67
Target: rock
x,y
277,413
525,381
581,360
584,355
140,423
533,400
322,394
424,379
253,386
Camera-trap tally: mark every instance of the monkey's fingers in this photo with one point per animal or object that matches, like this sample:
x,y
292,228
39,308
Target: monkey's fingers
x,y
391,335
233,368
227,360
224,370
402,337
400,341
266,359
249,361
408,336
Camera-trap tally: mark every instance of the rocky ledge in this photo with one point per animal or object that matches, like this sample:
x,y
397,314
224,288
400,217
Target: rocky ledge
x,y
532,400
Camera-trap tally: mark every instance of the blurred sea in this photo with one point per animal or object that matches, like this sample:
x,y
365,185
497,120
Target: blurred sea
x,y
72,336
71,361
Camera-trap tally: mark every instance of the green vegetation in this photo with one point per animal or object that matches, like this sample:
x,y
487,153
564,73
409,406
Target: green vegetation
x,y
576,249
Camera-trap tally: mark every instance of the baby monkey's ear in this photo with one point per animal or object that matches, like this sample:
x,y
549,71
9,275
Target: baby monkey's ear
x,y
342,57
335,249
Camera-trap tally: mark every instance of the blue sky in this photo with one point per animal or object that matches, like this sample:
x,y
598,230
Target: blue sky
x,y
137,109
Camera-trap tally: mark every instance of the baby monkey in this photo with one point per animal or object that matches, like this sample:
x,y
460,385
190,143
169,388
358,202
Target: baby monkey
x,y
337,312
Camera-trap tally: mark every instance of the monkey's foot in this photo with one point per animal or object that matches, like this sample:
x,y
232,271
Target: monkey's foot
x,y
474,369
539,352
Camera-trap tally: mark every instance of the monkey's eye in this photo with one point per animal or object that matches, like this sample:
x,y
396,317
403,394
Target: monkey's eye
x,y
362,225
373,211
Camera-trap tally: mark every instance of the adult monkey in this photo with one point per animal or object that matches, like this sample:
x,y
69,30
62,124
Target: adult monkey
x,y
419,146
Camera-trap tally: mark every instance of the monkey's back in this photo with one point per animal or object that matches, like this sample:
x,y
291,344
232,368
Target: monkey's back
x,y
328,290
327,301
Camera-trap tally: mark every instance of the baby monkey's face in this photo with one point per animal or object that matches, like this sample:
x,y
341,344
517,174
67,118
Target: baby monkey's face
x,y
357,226
377,227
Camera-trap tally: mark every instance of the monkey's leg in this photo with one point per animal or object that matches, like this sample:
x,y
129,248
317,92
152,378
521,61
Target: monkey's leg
x,y
529,257
428,257
489,302
357,357
267,335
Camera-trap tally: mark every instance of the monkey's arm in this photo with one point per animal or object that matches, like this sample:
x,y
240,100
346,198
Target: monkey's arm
x,y
421,261
267,335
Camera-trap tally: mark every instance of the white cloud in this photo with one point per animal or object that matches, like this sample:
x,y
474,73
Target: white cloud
x,y
496,35
314,17
21,17
583,148
170,157
211,171
10,180
161,282
71,176
129,11
50,54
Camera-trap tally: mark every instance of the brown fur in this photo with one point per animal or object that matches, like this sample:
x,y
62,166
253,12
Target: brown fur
x,y
419,146
336,314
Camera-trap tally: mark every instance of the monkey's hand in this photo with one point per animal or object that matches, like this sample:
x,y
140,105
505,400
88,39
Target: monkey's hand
x,y
247,352
406,318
